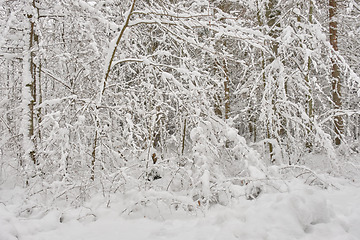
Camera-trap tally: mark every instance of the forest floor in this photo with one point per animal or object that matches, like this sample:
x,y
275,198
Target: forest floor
x,y
299,211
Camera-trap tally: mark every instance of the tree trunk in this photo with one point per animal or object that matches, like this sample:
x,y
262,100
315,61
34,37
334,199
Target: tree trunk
x,y
108,66
226,98
29,88
272,15
226,91
335,73
183,138
309,99
93,153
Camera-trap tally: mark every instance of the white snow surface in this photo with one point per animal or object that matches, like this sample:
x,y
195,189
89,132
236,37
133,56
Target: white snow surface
x,y
299,212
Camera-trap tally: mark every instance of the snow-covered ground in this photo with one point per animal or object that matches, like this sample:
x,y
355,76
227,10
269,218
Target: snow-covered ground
x,y
299,212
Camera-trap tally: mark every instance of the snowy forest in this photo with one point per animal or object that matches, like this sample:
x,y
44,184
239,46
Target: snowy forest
x,y
180,109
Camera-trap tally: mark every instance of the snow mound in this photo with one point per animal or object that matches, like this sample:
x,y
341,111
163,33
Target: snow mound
x,y
299,212
276,216
8,230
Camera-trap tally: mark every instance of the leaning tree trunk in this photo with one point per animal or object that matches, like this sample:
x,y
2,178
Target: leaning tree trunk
x,y
108,66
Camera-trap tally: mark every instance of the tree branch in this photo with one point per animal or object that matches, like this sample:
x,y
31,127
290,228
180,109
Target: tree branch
x,y
109,63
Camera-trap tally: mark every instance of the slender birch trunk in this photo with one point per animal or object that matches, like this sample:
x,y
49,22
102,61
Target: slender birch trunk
x,y
107,70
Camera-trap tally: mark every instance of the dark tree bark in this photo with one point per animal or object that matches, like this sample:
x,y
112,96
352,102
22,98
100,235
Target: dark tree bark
x,y
33,43
335,73
309,98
